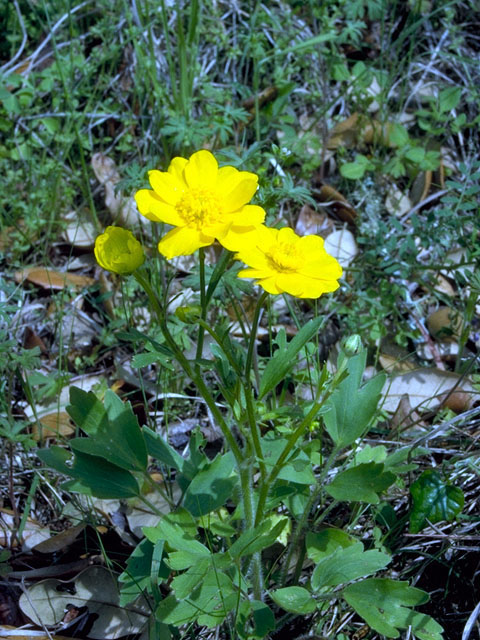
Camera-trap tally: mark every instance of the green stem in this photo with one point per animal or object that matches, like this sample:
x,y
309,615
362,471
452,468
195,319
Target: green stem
x,y
184,363
304,519
249,398
253,334
203,304
292,440
219,341
248,507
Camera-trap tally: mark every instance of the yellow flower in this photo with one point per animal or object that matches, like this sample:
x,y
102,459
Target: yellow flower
x,y
117,250
283,262
203,202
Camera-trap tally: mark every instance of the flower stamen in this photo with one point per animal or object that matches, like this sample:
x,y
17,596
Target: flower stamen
x,y
199,208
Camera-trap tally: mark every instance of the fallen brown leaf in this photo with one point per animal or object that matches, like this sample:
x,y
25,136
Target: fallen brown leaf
x,y
340,206
51,279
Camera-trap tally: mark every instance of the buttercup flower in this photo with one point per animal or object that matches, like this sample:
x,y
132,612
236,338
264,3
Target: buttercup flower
x,y
203,202
283,262
117,250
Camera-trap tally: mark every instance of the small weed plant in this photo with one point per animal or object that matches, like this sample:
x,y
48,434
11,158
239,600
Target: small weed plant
x,y
242,542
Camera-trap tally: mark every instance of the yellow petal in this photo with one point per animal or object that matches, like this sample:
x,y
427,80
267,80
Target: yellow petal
x,y
269,285
241,189
201,170
182,241
176,167
244,240
290,283
323,268
150,206
166,186
249,215
315,288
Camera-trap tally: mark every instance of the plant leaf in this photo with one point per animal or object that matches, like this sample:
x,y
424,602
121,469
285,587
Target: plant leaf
x,y
257,539
434,500
323,543
385,604
211,486
159,449
283,359
361,483
347,564
113,429
352,406
294,600
94,476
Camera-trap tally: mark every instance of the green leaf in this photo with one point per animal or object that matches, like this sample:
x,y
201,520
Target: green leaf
x,y
94,476
209,603
263,620
178,530
415,154
398,135
294,600
211,487
448,99
385,604
159,449
136,579
114,430
355,170
348,564
362,483
257,539
283,359
434,500
352,406
297,468
184,584
322,544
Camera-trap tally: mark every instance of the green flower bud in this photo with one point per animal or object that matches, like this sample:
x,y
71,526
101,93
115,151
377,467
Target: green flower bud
x,y
353,345
118,250
190,314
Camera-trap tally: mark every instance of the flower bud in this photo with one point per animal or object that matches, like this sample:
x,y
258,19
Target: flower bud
x,y
190,314
119,251
353,345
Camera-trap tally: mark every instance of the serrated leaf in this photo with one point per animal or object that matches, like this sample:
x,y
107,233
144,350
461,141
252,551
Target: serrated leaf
x,y
294,600
385,605
352,406
361,483
283,359
348,564
434,500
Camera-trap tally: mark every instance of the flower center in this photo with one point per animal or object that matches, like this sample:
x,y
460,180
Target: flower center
x,y
199,208
284,257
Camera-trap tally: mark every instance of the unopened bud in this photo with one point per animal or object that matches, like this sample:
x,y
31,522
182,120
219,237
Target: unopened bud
x,y
353,344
